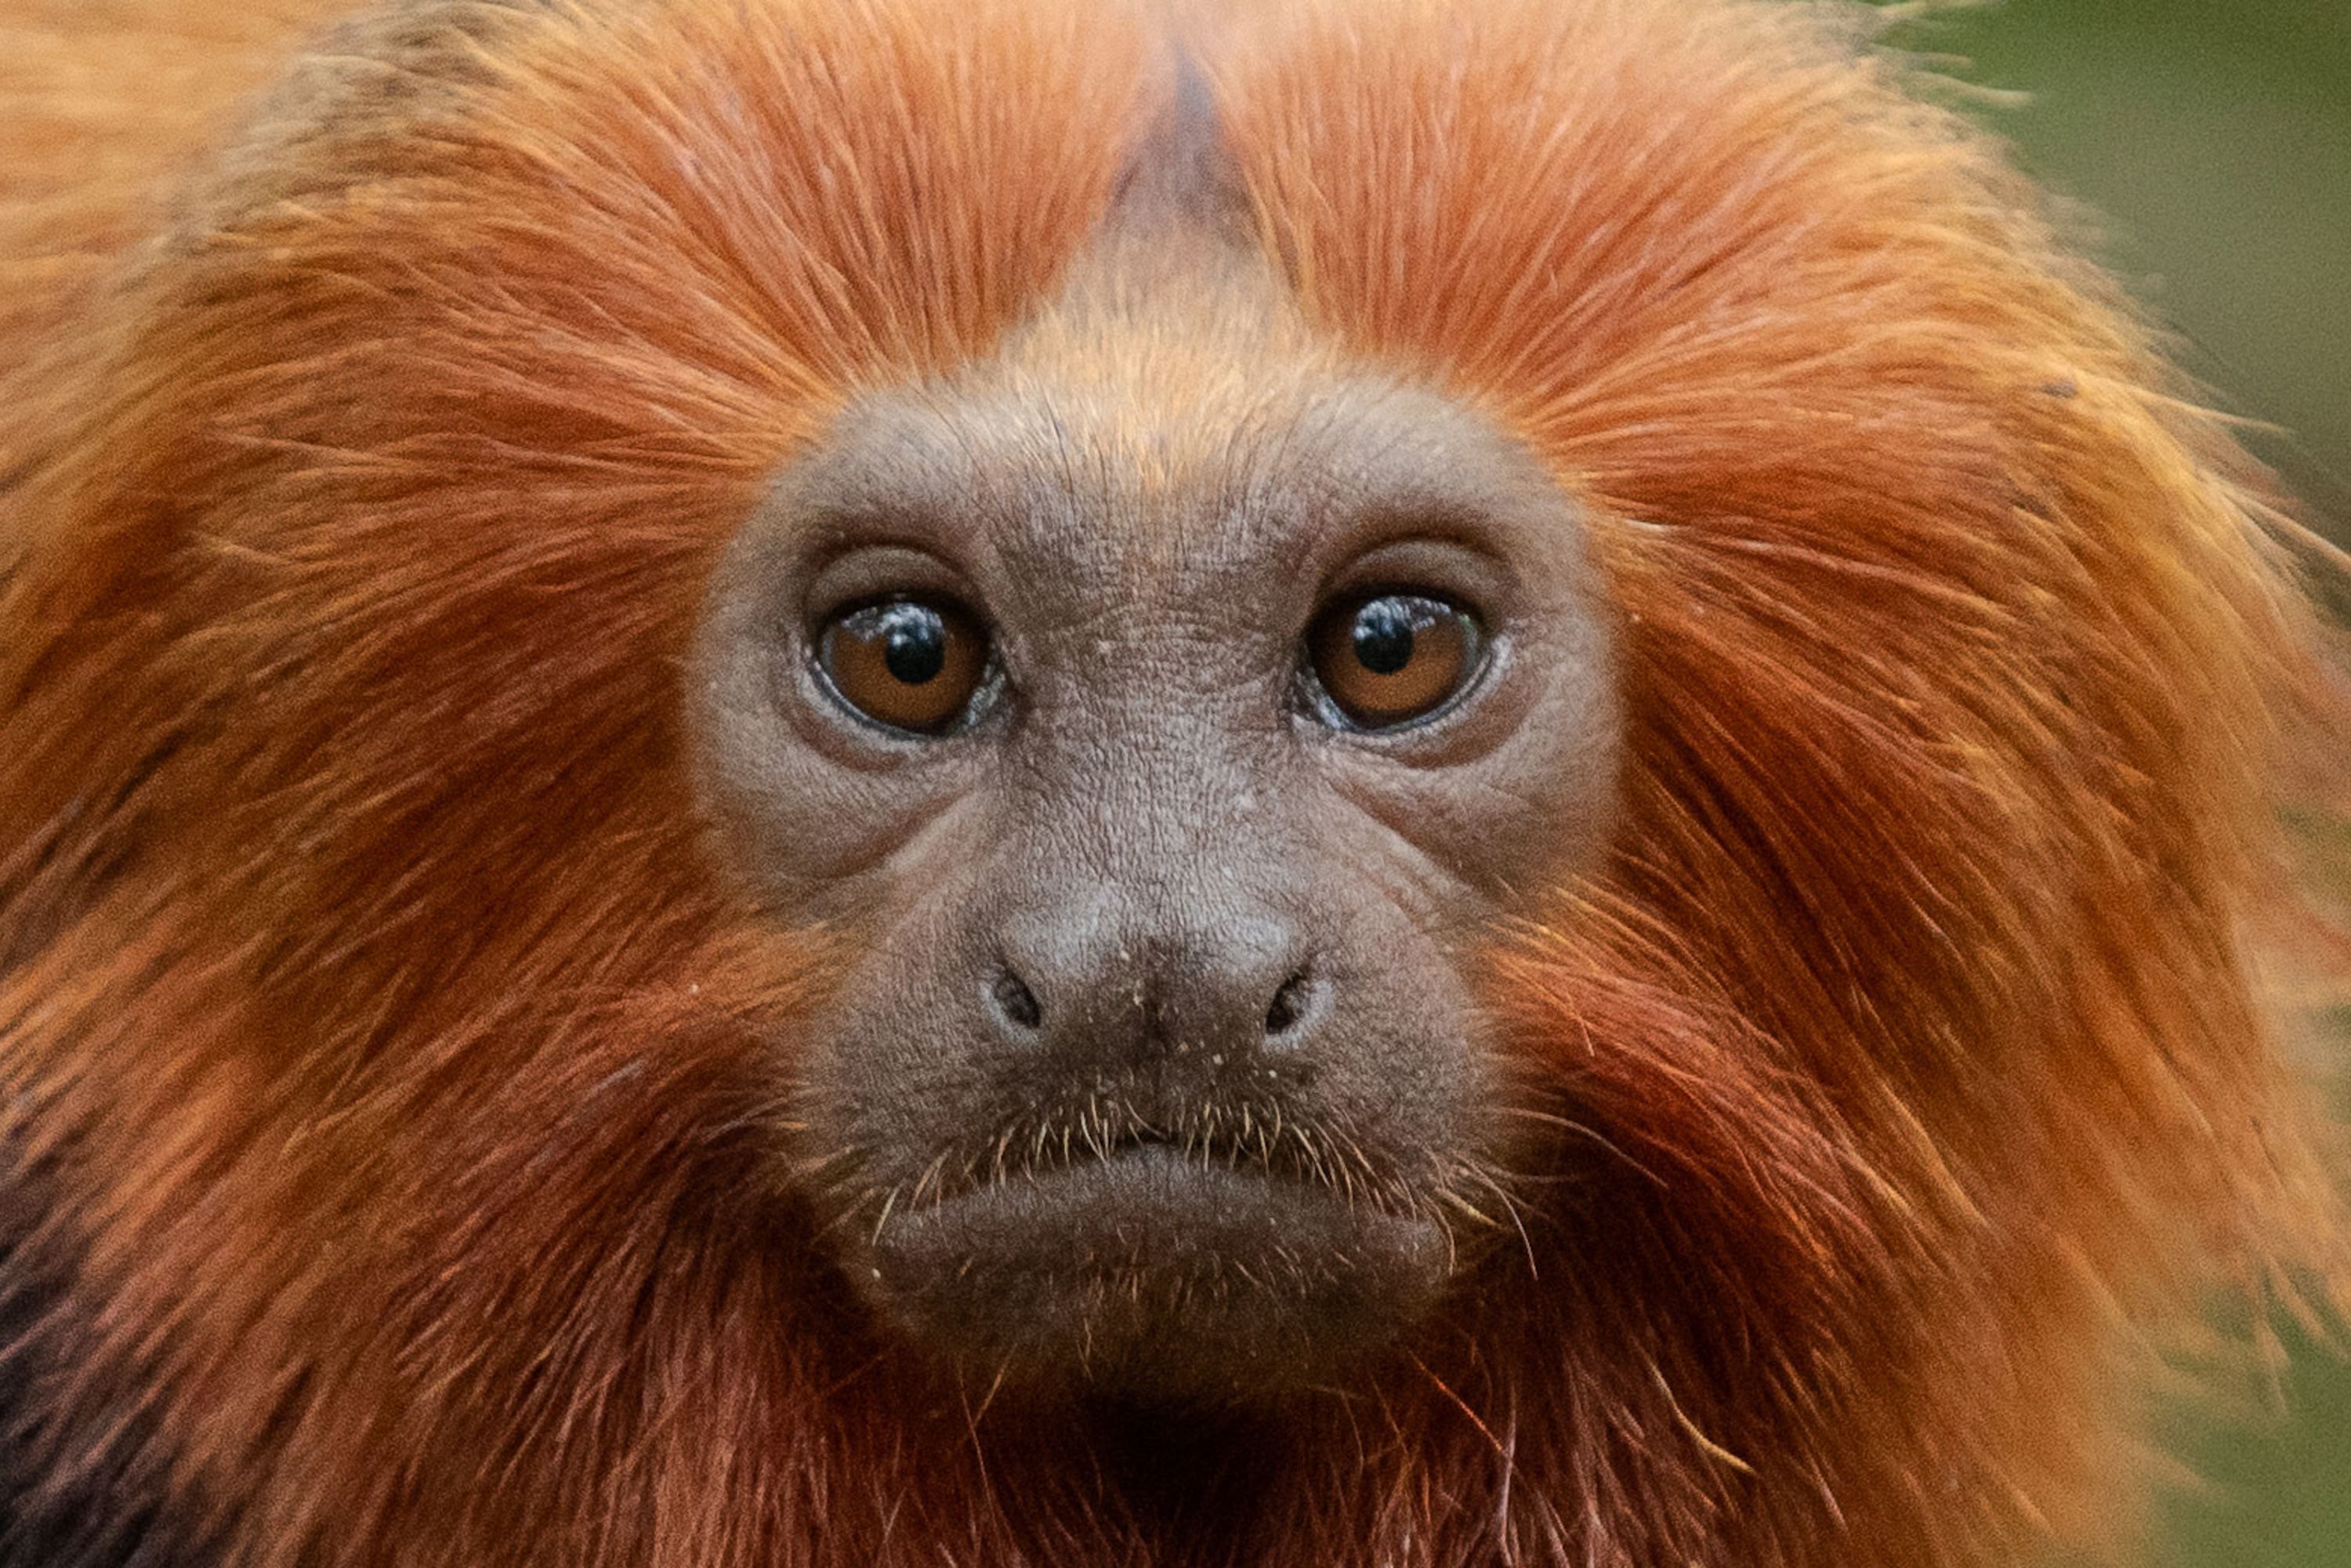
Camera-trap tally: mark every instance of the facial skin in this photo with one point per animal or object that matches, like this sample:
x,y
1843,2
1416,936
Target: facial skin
x,y
1162,1072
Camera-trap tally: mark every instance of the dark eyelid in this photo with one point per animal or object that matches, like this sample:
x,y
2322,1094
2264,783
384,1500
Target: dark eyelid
x,y
1461,572
873,574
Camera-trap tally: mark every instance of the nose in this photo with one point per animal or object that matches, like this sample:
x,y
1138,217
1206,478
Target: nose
x,y
1089,978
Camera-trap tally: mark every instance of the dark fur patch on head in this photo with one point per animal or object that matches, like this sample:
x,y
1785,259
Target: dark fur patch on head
x,y
1181,174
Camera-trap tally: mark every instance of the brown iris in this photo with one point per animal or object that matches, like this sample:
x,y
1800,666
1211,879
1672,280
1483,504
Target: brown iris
x,y
1387,659
909,663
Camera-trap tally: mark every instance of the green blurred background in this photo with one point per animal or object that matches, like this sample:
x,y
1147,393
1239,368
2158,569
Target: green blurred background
x,y
2209,141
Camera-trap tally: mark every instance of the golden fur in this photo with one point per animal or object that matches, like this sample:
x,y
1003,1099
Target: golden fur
x,y
380,1041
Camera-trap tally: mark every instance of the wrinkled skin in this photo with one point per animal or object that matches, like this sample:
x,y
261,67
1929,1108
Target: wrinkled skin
x,y
1160,1067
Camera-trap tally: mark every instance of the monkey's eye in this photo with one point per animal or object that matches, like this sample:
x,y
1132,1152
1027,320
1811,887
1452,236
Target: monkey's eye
x,y
1386,659
908,663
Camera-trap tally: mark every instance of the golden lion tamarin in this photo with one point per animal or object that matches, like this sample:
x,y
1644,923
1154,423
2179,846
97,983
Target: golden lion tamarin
x,y
1385,782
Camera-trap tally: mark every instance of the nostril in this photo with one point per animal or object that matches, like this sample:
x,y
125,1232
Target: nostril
x,y
1014,1002
1291,1005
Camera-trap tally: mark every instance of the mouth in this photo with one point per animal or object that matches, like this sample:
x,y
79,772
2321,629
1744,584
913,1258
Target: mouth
x,y
1243,1137
1153,1265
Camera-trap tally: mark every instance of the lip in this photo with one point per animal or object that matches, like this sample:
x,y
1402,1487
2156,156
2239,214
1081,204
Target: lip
x,y
1143,1171
1155,1270
1202,1202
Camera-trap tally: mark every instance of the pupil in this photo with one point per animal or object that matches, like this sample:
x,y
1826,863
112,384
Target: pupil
x,y
1384,636
913,643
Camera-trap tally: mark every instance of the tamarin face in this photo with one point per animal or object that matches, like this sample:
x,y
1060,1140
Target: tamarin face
x,y
1169,707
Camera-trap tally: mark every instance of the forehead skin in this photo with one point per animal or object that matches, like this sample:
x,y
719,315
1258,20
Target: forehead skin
x,y
1140,450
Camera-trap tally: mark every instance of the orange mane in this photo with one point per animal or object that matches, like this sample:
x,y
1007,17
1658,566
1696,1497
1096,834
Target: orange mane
x,y
382,1043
